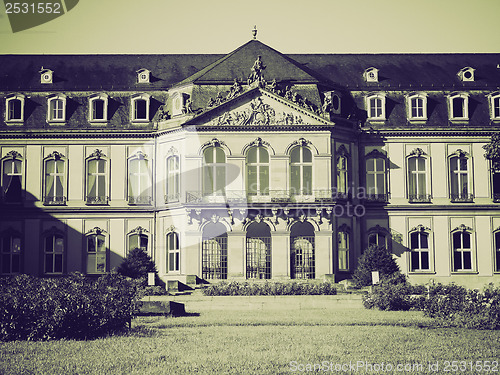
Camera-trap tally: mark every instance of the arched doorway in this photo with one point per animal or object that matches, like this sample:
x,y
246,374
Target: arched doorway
x,y
302,259
258,251
214,251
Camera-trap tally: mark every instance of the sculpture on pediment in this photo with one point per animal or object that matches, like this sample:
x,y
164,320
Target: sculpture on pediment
x,y
235,90
163,114
188,107
257,72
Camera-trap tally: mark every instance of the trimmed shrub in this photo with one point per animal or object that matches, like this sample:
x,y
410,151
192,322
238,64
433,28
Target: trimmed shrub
x,y
68,307
235,288
374,258
137,265
457,306
394,292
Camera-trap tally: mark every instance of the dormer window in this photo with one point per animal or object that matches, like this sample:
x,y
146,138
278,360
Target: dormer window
x,y
375,107
494,99
466,74
14,109
458,106
46,75
179,103
333,100
140,108
416,105
371,75
143,76
98,108
56,108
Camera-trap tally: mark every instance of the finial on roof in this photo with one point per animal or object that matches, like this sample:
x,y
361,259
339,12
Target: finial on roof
x,y
254,32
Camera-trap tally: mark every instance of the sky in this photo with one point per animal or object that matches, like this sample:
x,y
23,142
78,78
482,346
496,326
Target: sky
x,y
290,26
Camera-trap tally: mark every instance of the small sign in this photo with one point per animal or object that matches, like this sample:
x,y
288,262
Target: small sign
x,y
375,277
151,278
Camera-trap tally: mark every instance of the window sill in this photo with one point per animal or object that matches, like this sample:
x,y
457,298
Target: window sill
x,y
14,122
56,122
465,272
422,272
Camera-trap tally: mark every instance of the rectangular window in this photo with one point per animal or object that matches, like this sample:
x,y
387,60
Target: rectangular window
x,y
419,244
459,179
375,178
173,252
496,107
417,184
54,249
458,107
96,182
375,107
417,108
56,109
12,180
140,109
497,251
343,249
10,254
98,112
96,254
54,181
14,110
496,185
462,252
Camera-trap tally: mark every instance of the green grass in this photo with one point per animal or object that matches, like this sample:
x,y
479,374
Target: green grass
x,y
255,341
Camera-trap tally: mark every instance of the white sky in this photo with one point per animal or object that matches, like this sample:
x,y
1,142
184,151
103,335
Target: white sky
x,y
290,26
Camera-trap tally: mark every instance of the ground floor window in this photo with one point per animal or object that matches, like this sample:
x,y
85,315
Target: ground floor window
x,y
173,252
462,252
419,243
258,251
10,254
497,251
302,260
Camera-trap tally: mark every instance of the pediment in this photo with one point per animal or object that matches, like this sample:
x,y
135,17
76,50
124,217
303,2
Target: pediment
x,y
258,107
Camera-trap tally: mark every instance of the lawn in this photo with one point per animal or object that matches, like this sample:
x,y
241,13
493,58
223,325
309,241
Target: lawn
x,y
262,341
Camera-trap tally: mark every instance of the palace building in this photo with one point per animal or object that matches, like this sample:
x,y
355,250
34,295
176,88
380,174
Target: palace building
x,y
250,165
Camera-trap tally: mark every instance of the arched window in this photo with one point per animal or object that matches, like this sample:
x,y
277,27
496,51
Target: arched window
x,y
302,251
417,106
458,106
54,179
375,107
257,161
97,179
140,108
376,176
56,108
214,251
173,179
301,171
462,249
12,177
258,251
10,253
98,108
14,108
53,249
139,188
494,99
378,236
214,171
343,248
417,179
419,250
138,239
97,252
460,187
496,239
173,252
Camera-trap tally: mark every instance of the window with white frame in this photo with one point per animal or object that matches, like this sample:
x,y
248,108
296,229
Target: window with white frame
x,y
419,251
342,175
98,108
14,111
56,108
462,249
97,252
460,187
495,184
97,179
417,106
139,191
12,177
458,106
376,177
257,163
173,252
172,193
138,239
378,236
375,107
496,239
343,249
54,179
301,171
53,249
140,108
417,179
494,100
214,171
10,253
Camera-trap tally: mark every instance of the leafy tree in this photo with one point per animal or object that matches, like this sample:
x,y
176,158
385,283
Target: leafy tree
x,y
374,258
137,265
493,151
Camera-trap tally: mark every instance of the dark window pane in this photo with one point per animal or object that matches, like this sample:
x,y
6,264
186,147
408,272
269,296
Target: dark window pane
x,y
467,260
457,260
415,260
414,240
425,260
466,239
423,241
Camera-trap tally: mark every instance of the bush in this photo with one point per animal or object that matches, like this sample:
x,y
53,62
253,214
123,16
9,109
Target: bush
x,y
457,306
235,288
374,258
69,307
394,292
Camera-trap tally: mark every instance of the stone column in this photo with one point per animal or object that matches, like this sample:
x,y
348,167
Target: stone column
x,y
191,254
236,241
280,255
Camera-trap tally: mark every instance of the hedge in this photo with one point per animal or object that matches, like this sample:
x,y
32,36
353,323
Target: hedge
x,y
68,307
235,288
